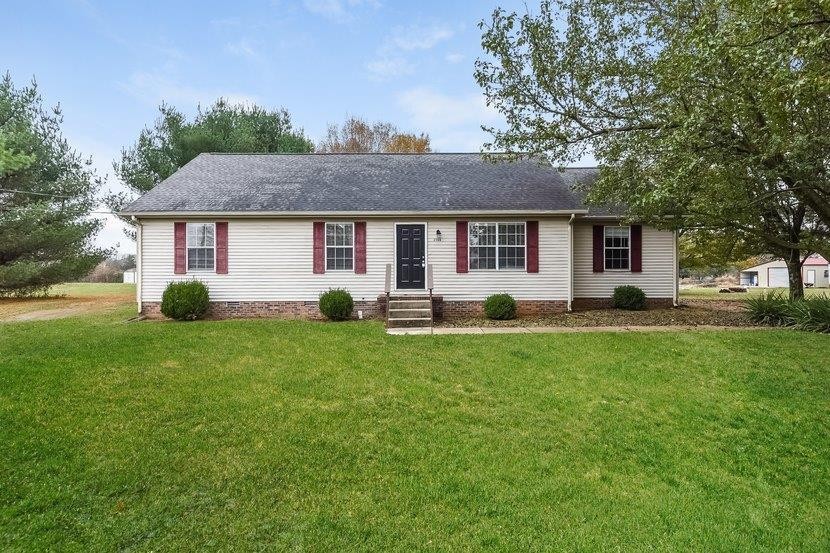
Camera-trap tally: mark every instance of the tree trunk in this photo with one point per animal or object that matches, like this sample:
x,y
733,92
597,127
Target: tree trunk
x,y
794,268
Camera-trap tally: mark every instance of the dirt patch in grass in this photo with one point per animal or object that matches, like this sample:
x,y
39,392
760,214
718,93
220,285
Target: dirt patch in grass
x,y
690,313
57,307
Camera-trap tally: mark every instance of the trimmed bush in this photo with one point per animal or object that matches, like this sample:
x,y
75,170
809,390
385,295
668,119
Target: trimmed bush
x,y
629,297
767,309
336,304
185,301
501,307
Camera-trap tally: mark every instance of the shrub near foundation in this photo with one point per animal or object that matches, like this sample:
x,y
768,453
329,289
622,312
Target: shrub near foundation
x,y
501,307
629,297
185,301
336,304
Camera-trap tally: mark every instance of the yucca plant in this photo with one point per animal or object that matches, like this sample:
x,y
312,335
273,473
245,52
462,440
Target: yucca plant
x,y
811,314
767,309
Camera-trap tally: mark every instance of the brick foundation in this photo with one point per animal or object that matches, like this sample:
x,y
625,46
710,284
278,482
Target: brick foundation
x,y
268,309
441,309
524,308
582,304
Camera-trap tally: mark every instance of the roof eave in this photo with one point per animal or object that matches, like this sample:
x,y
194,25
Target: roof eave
x,y
362,214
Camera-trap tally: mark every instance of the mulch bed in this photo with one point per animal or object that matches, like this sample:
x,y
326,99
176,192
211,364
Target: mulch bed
x,y
690,313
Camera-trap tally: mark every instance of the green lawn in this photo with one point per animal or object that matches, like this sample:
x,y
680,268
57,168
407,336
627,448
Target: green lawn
x,y
262,435
714,294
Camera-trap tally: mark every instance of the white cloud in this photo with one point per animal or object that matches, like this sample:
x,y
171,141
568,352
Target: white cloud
x,y
154,88
453,122
390,60
243,48
384,68
340,11
417,37
454,57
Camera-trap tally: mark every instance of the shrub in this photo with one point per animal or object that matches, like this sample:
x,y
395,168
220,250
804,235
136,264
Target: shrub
x,y
629,297
767,309
774,309
811,314
336,304
501,307
185,301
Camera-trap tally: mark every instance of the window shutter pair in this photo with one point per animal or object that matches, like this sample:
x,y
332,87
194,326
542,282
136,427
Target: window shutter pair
x,y
319,247
462,263
636,246
180,248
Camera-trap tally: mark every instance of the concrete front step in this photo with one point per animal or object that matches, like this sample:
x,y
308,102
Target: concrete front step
x,y
403,322
409,304
409,313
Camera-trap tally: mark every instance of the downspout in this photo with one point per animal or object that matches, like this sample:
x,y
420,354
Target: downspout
x,y
676,260
571,261
138,250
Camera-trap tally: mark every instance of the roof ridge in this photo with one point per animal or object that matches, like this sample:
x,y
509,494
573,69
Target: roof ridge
x,y
412,154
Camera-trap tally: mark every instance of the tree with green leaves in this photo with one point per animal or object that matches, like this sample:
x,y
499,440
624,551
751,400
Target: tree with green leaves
x,y
47,194
708,116
173,141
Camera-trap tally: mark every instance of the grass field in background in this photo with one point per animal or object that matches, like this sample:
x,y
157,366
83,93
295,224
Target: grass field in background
x,y
262,435
70,299
713,294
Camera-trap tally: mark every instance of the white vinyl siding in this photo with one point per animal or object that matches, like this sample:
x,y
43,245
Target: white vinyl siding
x,y
271,260
657,278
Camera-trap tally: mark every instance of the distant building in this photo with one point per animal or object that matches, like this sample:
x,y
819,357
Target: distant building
x,y
129,276
774,274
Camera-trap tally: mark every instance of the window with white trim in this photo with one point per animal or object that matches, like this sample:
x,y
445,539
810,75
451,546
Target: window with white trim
x,y
339,246
201,246
497,246
617,248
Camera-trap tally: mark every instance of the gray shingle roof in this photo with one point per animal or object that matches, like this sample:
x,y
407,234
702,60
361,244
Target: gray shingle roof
x,y
371,183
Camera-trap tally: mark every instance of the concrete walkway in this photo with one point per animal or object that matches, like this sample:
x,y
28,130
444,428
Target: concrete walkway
x,y
557,329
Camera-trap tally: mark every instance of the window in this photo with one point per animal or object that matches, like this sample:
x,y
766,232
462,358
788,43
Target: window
x,y
497,246
200,246
339,246
617,253
826,272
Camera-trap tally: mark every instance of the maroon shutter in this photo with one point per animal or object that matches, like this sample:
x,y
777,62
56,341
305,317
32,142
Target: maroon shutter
x,y
533,246
360,247
319,247
599,248
636,248
179,248
461,263
222,248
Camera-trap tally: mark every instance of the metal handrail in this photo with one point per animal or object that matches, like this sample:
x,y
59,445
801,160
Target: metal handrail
x,y
387,288
429,286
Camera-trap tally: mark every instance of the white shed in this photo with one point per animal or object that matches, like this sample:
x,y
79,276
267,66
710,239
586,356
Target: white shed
x,y
129,276
774,274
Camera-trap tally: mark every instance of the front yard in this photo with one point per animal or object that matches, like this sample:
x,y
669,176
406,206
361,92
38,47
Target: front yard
x,y
295,435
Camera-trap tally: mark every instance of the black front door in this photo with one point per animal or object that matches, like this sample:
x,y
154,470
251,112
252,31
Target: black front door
x,y
411,260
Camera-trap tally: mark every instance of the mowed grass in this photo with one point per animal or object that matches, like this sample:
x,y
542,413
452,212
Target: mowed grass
x,y
700,293
69,299
273,435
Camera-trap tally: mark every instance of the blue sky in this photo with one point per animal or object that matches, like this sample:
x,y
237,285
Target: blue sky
x,y
110,64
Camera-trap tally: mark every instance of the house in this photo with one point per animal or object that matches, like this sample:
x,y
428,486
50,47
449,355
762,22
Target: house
x,y
774,274
268,233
